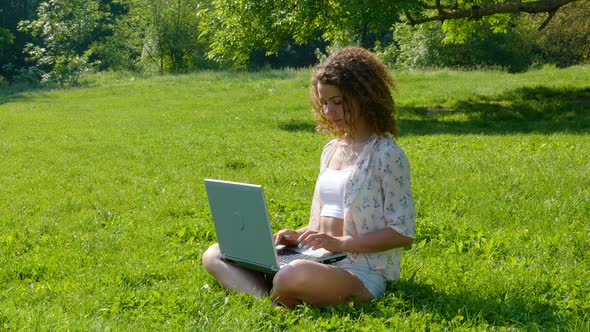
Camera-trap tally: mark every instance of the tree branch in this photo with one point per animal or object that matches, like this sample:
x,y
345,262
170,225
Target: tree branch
x,y
477,12
549,17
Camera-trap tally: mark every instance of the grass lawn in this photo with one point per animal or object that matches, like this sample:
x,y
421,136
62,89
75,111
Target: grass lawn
x,y
103,213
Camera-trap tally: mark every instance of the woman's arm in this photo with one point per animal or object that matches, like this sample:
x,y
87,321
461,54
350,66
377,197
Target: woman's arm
x,y
377,241
380,240
398,201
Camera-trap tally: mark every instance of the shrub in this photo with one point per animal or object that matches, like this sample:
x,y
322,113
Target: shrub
x,y
565,41
423,47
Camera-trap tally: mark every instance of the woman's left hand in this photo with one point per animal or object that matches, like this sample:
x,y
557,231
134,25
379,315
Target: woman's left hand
x,y
316,240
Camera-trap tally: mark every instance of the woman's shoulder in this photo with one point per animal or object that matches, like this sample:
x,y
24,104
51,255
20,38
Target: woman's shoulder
x,y
387,151
329,149
331,145
386,144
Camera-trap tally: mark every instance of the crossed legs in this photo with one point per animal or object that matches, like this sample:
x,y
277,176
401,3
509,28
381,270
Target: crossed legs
x,y
233,277
317,284
299,282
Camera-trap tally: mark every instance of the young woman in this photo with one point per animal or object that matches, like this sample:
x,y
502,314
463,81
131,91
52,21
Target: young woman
x,y
362,203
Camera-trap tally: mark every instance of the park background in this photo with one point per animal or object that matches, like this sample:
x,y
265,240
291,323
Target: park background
x,y
54,42
113,112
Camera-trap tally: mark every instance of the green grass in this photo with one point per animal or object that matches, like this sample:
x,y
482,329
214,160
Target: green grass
x,y
103,214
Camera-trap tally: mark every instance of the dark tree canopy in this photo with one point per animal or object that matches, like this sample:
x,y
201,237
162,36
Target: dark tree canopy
x,y
57,40
453,10
238,26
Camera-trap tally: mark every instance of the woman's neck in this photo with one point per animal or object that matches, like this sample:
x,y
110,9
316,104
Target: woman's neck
x,y
360,135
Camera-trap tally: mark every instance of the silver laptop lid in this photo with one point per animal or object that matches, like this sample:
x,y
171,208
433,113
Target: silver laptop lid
x,y
242,224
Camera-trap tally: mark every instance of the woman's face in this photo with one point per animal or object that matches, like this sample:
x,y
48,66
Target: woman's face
x,y
332,102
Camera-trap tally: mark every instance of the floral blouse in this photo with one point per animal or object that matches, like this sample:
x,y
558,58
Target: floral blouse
x,y
378,195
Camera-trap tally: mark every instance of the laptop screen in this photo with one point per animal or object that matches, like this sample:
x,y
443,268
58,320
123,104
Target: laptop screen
x,y
241,222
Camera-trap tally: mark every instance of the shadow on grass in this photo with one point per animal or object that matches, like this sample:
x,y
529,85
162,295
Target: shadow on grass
x,y
298,126
455,310
497,311
16,93
540,110
524,110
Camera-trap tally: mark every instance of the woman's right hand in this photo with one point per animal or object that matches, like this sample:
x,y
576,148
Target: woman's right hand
x,y
286,237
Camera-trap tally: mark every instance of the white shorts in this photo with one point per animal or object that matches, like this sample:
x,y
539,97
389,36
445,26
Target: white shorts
x,y
373,281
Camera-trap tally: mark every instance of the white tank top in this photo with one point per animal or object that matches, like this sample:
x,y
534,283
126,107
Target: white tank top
x,y
331,185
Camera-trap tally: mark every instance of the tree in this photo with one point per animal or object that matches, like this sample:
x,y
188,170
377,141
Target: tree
x,y
6,42
422,47
63,28
160,33
173,33
462,19
564,42
476,10
12,41
237,27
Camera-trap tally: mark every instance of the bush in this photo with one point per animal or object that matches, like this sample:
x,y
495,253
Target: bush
x,y
422,47
565,41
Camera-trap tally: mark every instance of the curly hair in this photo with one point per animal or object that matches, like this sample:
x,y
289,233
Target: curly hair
x,y
363,78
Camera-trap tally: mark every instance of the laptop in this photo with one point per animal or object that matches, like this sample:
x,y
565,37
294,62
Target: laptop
x,y
242,225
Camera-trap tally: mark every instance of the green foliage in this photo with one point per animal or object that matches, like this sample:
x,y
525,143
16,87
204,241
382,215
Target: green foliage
x,y
155,33
462,31
67,38
426,47
566,39
104,214
6,40
501,41
121,45
511,41
63,28
12,59
237,27
172,32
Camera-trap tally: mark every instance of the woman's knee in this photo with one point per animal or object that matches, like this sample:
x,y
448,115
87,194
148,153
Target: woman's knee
x,y
292,277
211,256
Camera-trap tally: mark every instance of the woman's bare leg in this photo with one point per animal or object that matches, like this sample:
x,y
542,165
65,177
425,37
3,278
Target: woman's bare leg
x,y
317,284
233,277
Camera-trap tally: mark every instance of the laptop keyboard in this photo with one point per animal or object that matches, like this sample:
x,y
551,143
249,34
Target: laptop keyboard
x,y
286,256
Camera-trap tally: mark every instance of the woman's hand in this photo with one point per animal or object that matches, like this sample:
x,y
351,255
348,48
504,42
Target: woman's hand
x,y
286,237
316,240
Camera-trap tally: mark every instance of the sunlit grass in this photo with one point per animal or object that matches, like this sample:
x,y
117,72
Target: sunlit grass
x,y
104,216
